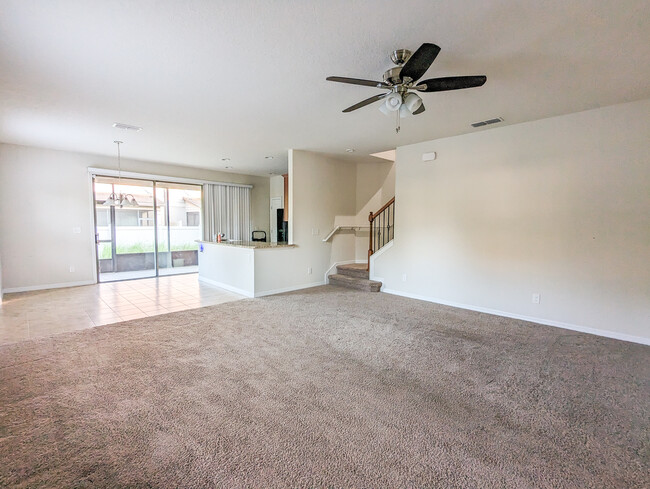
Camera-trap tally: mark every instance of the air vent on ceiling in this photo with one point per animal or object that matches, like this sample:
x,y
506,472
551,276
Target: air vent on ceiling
x,y
126,127
487,122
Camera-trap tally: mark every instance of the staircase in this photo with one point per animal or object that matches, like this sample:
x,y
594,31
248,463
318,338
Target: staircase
x,y
382,230
354,276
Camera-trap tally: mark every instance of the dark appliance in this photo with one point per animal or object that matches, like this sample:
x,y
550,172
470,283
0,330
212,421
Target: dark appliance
x,y
281,226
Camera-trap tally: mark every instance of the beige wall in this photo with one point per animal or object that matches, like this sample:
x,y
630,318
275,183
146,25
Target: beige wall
x,y
323,192
559,207
320,188
375,187
44,194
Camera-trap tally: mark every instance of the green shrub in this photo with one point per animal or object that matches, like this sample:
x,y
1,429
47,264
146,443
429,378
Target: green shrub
x,y
105,251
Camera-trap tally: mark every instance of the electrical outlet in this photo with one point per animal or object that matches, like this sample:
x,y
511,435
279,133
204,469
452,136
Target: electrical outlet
x,y
76,230
315,231
308,270
71,268
404,277
536,298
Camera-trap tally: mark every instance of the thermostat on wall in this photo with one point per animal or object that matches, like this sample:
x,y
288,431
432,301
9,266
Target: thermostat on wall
x,y
429,156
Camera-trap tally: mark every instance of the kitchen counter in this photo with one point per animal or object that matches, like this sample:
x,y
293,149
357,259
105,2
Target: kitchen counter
x,y
248,244
249,268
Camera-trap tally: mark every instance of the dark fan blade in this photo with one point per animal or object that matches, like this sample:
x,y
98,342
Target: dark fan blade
x,y
419,62
451,83
365,102
420,110
357,81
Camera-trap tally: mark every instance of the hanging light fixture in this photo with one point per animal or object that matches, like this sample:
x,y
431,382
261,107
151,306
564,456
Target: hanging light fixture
x,y
121,200
392,102
402,104
412,102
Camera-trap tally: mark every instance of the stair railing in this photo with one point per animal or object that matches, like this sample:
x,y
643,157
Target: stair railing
x,y
382,229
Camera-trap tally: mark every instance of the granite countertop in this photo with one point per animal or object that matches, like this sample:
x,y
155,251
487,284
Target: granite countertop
x,y
249,244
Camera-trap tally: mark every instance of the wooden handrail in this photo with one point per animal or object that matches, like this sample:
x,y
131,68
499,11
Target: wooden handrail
x,y
383,208
371,219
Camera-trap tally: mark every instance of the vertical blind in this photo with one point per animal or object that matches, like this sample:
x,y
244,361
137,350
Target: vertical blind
x,y
227,210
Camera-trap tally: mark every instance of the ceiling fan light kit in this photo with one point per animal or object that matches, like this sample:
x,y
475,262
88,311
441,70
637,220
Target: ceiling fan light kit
x,y
393,101
404,111
402,81
412,102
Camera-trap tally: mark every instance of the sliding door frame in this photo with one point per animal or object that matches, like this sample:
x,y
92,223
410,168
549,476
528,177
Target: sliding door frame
x,y
96,241
155,231
105,172
94,224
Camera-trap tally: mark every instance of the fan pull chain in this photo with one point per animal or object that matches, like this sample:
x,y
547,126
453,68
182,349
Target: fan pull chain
x,y
397,124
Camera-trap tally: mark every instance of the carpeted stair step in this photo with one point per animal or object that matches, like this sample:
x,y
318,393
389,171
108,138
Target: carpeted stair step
x,y
353,270
354,282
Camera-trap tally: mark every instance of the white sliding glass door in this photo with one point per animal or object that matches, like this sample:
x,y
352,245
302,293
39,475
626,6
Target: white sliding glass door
x,y
151,232
124,233
178,219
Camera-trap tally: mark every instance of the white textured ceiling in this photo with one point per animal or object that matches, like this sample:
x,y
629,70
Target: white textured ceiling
x,y
245,79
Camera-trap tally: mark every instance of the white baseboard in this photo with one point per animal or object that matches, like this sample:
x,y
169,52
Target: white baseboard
x,y
289,289
62,285
547,322
226,286
261,293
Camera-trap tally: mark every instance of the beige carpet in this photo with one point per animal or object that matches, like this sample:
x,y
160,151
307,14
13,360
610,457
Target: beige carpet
x,y
325,388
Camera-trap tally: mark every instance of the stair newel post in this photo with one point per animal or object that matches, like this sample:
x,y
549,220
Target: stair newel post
x,y
370,219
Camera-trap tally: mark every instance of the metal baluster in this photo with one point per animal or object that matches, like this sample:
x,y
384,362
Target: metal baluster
x,y
370,219
378,230
382,228
389,223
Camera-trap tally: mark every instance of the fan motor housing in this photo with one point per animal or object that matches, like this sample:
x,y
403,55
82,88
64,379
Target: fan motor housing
x,y
400,56
391,76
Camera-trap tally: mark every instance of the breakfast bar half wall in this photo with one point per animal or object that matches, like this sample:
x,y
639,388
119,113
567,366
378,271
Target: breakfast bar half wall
x,y
252,269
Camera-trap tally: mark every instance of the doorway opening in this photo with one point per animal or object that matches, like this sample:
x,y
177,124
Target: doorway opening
x,y
154,236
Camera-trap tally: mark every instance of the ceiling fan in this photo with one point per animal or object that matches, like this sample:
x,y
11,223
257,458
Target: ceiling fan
x,y
402,82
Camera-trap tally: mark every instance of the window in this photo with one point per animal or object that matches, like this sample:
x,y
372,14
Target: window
x,y
145,218
193,219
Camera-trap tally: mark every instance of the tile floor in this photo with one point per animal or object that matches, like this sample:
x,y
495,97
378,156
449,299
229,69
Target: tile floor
x,y
114,277
36,314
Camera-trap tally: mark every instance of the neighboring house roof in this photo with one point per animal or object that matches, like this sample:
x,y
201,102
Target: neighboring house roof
x,y
196,203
